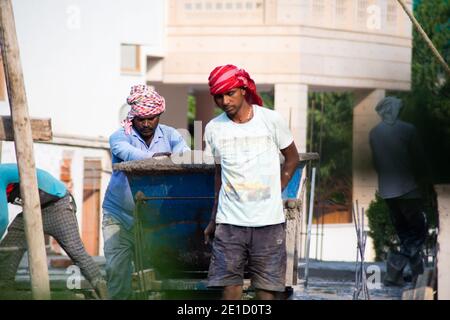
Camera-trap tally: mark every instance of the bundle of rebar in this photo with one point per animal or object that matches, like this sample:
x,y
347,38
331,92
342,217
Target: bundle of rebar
x,y
138,246
361,290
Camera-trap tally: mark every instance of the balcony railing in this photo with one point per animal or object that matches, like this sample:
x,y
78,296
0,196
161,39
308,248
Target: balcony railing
x,y
369,16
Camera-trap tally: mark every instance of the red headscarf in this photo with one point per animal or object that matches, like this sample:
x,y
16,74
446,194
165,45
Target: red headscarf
x,y
224,78
143,102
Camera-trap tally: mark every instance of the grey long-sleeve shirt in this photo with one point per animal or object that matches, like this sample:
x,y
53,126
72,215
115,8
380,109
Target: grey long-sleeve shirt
x,y
398,158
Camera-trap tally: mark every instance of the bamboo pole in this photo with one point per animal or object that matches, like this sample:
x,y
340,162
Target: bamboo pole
x,y
37,257
425,37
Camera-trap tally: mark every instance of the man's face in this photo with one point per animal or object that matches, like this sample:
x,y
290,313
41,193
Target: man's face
x,y
146,125
230,101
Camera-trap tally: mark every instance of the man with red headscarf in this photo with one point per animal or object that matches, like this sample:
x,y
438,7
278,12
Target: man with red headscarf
x,y
141,137
247,219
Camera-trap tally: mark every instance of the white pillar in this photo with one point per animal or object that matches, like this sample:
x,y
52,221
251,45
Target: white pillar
x,y
291,101
204,107
443,242
365,179
176,97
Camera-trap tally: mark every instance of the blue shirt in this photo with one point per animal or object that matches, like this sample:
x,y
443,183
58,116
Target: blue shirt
x,y
118,200
9,173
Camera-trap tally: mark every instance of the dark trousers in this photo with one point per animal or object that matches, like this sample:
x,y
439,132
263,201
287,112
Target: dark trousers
x,y
60,222
410,224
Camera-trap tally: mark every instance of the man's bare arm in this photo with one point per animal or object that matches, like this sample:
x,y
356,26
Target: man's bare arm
x,y
209,231
291,160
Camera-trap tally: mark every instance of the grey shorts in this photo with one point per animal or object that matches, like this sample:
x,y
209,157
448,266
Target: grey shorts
x,y
263,248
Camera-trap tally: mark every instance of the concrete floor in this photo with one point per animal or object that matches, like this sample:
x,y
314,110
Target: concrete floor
x,y
326,281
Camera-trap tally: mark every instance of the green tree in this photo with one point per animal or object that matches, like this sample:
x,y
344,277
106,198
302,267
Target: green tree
x,y
427,105
381,230
330,134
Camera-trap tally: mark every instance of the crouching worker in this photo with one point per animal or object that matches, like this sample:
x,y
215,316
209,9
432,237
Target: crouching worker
x,y
58,219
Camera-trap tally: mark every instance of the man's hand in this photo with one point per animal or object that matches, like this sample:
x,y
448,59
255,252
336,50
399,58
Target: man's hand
x,y
209,231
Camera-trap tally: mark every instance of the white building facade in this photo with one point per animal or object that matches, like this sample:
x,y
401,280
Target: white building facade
x,y
80,57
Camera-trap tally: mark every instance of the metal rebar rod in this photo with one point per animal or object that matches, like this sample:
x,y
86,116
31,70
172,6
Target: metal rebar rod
x,y
308,239
138,249
141,261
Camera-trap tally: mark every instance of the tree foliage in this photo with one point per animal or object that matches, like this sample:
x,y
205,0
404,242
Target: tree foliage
x,y
381,230
427,105
330,134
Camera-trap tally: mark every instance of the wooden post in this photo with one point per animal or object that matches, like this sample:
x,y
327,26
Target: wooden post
x,y
37,256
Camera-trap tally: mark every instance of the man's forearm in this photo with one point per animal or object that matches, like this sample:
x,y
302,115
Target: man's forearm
x,y
291,159
214,210
287,171
217,186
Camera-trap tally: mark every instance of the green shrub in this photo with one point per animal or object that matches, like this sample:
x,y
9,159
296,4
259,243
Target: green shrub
x,y
381,230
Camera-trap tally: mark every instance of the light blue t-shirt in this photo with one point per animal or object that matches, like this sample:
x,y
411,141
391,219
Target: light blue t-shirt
x,y
9,173
118,200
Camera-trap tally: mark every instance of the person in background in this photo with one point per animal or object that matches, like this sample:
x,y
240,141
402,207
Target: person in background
x,y
400,162
141,137
58,219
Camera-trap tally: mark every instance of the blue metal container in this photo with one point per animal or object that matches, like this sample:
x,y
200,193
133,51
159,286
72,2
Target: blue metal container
x,y
176,210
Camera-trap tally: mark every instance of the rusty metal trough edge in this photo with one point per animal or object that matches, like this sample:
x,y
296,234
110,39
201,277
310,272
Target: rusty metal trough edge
x,y
185,162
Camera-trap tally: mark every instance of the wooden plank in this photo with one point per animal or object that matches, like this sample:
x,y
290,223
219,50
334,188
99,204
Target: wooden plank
x,y
41,129
23,142
424,287
148,277
408,294
423,293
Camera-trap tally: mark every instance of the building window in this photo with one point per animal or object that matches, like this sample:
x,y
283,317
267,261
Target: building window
x,y
341,9
362,12
130,58
391,15
304,10
318,8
